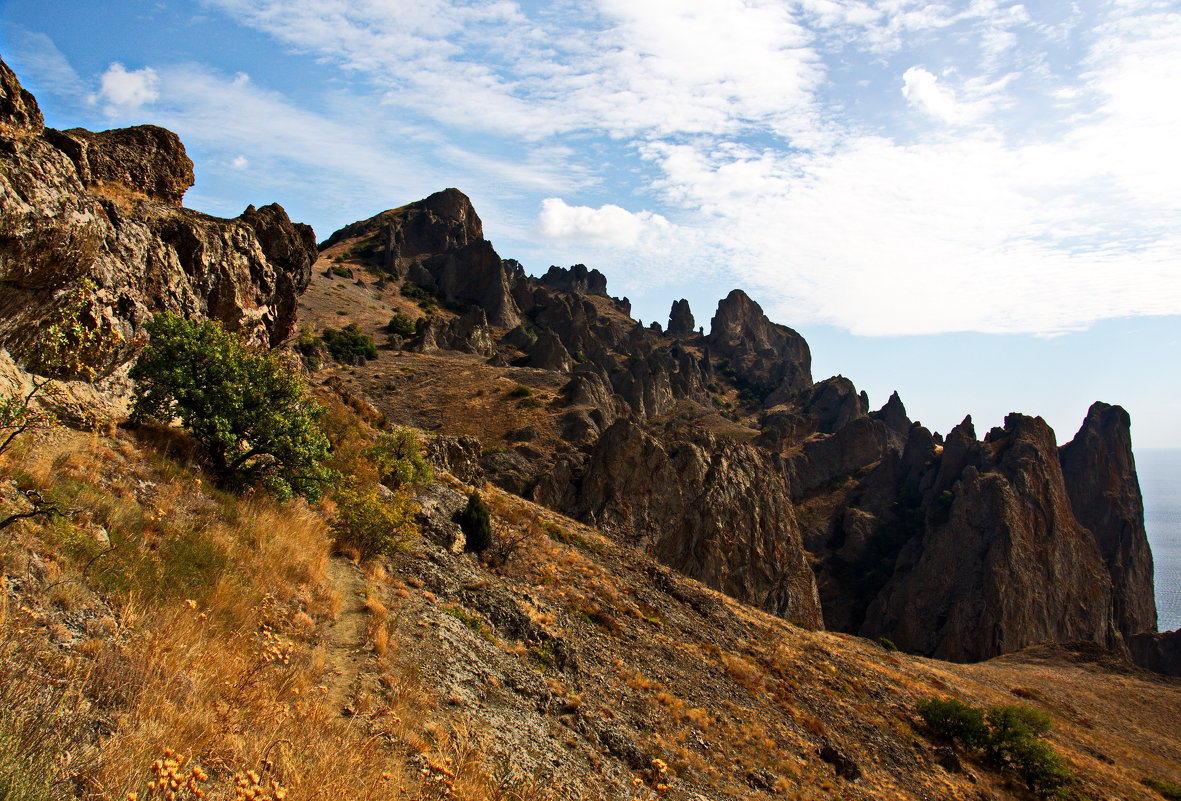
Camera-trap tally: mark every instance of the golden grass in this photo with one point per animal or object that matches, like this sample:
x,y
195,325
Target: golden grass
x,y
224,661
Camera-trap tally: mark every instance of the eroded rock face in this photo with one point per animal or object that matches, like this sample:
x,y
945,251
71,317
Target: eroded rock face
x,y
61,223
717,511
577,279
771,357
1100,475
1002,563
680,320
1160,652
146,159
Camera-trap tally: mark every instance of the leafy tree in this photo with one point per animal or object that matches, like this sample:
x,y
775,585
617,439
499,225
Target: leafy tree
x,y
397,457
246,406
955,720
476,522
349,345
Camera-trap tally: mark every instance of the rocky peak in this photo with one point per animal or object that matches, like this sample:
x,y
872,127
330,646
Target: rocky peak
x,y
681,324
146,160
1100,475
893,414
19,111
577,279
771,357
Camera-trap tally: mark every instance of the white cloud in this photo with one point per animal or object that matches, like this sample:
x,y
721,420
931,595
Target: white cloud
x,y
240,163
923,91
127,90
607,226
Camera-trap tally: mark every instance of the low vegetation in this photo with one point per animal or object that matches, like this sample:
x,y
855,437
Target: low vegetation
x,y
1009,737
349,345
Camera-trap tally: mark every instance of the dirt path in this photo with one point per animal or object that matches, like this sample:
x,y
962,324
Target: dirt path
x,y
347,654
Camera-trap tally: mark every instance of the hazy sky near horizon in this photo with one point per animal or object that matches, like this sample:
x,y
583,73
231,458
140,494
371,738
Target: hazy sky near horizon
x,y
976,203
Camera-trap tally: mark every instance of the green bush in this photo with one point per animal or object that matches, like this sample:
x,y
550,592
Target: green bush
x,y
887,643
246,406
476,522
349,345
401,325
1167,789
1009,736
397,456
955,720
343,272
375,525
520,391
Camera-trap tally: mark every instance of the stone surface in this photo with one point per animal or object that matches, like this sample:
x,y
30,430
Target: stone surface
x,y
142,253
771,357
716,511
681,324
1100,475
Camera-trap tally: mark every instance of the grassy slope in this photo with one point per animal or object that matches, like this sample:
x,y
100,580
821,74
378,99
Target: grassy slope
x,y
566,670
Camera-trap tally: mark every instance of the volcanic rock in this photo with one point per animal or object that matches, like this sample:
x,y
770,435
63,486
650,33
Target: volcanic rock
x,y
680,320
771,358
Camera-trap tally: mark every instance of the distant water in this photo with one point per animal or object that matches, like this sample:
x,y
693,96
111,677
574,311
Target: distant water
x,y
1160,482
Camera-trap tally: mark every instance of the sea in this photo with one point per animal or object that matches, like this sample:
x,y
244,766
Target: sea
x,y
1160,483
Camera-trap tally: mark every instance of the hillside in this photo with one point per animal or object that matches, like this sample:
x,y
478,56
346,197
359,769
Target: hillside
x,y
676,518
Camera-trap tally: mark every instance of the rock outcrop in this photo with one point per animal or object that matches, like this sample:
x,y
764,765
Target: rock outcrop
x,y
1002,563
680,320
771,359
78,206
716,510
1100,475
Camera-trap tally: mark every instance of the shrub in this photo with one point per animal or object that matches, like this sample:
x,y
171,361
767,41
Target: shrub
x,y
401,325
520,391
476,523
375,525
887,643
247,407
397,457
955,720
1167,789
349,345
1009,736
343,272
68,346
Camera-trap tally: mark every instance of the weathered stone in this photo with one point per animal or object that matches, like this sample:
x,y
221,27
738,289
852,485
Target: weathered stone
x,y
1100,475
766,355
680,320
146,160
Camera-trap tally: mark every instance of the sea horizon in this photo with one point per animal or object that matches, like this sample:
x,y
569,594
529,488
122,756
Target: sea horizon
x,y
1159,470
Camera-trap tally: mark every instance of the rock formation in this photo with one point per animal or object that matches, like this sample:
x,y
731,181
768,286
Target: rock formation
x,y
680,320
1100,475
772,360
104,207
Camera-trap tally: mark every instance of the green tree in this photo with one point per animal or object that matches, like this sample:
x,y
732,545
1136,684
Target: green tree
x,y
246,406
401,325
476,522
349,345
397,457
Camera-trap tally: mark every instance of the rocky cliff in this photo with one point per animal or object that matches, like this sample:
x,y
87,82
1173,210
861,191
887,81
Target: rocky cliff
x,y
104,208
719,455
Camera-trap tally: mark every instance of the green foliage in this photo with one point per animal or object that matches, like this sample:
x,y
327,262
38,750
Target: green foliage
x,y
529,403
1010,737
401,325
397,457
476,522
341,271
424,297
18,413
887,643
308,345
520,391
375,525
69,346
247,407
349,345
362,250
955,720
1167,789
473,622
543,654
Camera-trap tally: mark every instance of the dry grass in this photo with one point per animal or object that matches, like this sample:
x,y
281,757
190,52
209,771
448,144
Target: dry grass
x,y
195,622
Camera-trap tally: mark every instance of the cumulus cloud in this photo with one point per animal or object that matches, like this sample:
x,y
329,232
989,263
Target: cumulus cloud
x,y
240,163
127,90
606,226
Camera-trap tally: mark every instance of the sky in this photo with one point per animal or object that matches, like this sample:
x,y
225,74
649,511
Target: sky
x,y
977,204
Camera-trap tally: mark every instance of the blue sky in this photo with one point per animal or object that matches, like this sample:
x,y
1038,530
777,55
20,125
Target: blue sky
x,y
975,203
